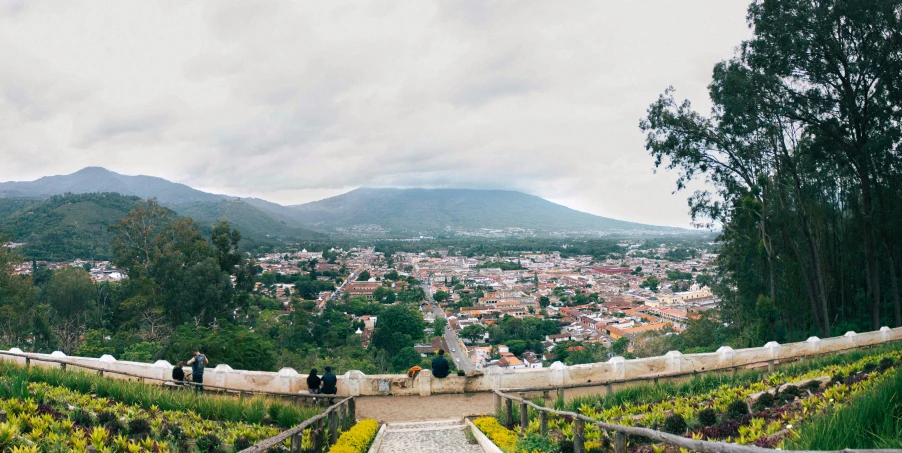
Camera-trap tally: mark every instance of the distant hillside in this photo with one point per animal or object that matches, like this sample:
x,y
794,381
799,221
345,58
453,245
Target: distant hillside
x,y
99,180
256,225
426,211
65,227
251,221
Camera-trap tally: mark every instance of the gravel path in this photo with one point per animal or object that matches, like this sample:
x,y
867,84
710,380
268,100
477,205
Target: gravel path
x,y
442,436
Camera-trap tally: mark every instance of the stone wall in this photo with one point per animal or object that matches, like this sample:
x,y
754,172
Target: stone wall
x,y
356,383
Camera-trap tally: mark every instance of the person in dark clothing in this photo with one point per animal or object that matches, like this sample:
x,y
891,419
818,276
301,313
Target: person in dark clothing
x,y
440,367
330,384
178,373
313,382
198,362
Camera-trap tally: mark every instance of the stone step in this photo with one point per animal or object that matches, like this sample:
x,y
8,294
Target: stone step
x,y
434,436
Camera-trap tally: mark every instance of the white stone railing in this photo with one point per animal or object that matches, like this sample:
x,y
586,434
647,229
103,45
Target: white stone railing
x,y
558,375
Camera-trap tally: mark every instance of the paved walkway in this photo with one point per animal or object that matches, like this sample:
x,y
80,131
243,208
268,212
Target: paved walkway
x,y
388,409
435,436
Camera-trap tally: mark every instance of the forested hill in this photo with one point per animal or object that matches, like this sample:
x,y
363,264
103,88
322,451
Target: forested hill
x,y
99,180
431,210
65,227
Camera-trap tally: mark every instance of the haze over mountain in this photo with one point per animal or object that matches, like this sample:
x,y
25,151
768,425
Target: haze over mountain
x,y
361,212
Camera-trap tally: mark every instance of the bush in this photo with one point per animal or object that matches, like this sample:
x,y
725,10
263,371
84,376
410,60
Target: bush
x,y
241,443
504,438
737,409
209,444
536,442
838,378
111,422
675,424
707,417
788,394
886,363
813,386
764,401
82,418
357,439
138,427
869,367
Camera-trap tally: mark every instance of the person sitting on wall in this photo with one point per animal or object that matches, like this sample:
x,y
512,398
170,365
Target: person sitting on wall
x,y
440,367
313,382
178,373
330,384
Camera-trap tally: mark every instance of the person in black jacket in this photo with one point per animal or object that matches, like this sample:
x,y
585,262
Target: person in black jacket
x,y
440,367
178,373
313,382
330,384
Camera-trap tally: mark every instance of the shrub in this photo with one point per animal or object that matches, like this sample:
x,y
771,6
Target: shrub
x,y
707,417
886,363
241,443
138,427
788,394
813,386
110,421
675,424
535,442
82,418
357,439
173,432
504,438
838,378
209,444
737,409
869,367
764,401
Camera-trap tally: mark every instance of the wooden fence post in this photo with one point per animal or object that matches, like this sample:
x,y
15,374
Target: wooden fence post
x,y
770,366
91,449
560,394
27,362
579,433
508,413
524,416
2,416
497,404
319,435
352,412
608,389
343,421
63,366
543,423
619,442
297,441
333,426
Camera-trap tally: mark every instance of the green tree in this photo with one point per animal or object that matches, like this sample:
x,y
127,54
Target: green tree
x,y
620,346
406,358
384,295
439,325
473,332
364,276
544,301
397,328
651,283
441,296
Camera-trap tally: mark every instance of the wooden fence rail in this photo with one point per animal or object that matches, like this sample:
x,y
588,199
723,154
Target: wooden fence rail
x,y
324,429
623,432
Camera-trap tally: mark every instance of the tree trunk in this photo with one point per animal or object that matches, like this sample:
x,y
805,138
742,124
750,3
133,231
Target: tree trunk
x,y
897,308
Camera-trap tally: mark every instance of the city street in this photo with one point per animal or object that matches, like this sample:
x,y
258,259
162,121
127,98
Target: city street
x,y
459,354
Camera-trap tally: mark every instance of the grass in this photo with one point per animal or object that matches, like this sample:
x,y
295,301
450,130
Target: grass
x,y
15,379
649,393
871,421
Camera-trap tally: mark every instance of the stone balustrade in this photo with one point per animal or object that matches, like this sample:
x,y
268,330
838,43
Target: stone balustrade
x,y
355,383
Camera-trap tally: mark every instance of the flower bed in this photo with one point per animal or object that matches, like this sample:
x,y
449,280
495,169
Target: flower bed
x,y
357,439
764,412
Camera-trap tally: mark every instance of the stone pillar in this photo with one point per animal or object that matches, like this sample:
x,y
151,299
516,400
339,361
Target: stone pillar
x,y
557,374
674,361
885,334
424,382
59,355
774,348
354,379
850,339
725,356
618,368
814,345
219,375
287,377
162,370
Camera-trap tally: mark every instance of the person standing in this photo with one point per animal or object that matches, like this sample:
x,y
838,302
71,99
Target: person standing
x,y
330,384
440,366
197,370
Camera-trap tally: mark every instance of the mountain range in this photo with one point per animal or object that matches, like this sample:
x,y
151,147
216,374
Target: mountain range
x,y
362,212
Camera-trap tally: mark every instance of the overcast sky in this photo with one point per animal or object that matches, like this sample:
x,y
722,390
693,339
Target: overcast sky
x,y
297,101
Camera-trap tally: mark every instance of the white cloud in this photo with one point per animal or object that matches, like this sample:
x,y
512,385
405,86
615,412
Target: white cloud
x,y
293,101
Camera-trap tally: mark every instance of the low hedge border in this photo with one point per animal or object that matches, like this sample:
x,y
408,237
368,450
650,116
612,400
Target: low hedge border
x,y
357,439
